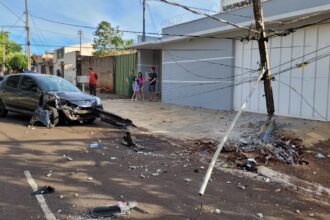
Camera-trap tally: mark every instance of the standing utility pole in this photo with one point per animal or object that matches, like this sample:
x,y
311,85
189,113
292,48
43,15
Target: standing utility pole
x,y
264,59
3,51
80,35
144,22
27,26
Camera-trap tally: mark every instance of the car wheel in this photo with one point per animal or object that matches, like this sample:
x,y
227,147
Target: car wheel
x,y
54,116
3,110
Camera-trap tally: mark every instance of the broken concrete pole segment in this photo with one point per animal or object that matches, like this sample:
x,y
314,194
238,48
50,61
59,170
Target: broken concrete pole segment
x,y
121,208
112,119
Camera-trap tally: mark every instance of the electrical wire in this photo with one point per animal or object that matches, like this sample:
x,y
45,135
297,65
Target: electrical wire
x,y
303,98
209,16
253,78
133,32
11,11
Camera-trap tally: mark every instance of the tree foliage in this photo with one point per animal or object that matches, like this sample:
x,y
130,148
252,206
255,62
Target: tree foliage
x,y
108,38
17,61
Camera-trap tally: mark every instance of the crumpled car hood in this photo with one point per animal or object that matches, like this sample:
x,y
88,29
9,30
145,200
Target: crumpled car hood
x,y
77,98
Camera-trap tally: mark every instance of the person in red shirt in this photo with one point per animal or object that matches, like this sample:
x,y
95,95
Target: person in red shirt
x,y
92,77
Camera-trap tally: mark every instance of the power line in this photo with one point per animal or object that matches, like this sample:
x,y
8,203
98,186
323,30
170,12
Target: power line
x,y
11,11
303,98
314,59
201,9
209,16
133,32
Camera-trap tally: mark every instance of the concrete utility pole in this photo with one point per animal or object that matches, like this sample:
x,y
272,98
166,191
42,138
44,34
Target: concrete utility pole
x,y
264,59
3,51
80,35
27,26
144,22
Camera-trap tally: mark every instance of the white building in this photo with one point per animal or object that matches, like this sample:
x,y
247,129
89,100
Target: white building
x,y
65,59
217,70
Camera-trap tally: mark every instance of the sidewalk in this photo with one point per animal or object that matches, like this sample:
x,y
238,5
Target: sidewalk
x,y
182,122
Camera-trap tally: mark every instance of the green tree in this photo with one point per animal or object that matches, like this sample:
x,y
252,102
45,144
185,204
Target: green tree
x,y
108,38
16,61
10,46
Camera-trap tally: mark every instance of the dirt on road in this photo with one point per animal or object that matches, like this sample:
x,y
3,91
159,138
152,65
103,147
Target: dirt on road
x,y
163,179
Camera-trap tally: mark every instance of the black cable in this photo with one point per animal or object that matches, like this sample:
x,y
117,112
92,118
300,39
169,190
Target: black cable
x,y
4,5
209,16
132,32
252,79
303,98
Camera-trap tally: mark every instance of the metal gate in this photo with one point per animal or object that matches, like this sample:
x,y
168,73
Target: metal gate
x,y
123,65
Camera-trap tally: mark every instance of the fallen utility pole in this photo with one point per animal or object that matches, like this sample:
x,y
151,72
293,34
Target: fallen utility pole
x,y
264,59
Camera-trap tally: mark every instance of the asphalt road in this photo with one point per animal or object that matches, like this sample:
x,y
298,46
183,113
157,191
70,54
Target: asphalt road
x,y
85,177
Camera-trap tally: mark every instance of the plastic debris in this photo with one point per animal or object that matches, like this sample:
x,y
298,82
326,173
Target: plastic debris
x,y
94,145
260,215
44,190
248,165
320,156
187,180
41,115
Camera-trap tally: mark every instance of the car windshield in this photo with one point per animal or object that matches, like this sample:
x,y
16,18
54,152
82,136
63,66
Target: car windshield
x,y
56,84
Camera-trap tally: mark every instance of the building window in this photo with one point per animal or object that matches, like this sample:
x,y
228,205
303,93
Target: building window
x,y
60,53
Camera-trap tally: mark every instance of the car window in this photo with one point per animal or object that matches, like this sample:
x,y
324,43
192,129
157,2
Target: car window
x,y
56,84
12,81
28,84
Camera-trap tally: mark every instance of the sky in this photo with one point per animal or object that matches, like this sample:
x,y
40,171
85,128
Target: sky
x,y
127,14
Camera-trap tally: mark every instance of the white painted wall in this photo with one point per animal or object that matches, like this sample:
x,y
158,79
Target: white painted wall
x,y
311,82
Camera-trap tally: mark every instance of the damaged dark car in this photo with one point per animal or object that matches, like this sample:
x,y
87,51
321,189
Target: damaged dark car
x,y
47,98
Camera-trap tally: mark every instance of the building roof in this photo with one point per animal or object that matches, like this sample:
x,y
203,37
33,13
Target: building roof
x,y
312,11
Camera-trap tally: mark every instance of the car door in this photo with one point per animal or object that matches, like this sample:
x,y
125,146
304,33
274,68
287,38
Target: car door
x,y
29,94
10,92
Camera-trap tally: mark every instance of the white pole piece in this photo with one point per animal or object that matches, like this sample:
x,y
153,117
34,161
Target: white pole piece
x,y
224,139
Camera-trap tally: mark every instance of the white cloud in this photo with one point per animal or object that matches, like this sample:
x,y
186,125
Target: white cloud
x,y
127,14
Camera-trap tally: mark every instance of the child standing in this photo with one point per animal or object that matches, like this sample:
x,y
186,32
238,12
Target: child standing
x,y
140,80
135,86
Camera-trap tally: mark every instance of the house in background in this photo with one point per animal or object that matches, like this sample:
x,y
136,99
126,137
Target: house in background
x,y
217,68
43,63
65,59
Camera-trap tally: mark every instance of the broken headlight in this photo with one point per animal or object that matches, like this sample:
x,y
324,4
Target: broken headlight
x,y
98,101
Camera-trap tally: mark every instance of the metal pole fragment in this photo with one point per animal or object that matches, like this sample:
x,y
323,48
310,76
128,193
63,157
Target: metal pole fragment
x,y
224,139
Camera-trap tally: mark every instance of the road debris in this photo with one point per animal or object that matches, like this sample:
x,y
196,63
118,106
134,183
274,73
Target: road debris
x,y
94,145
240,186
320,156
44,190
121,208
49,174
187,180
248,165
260,215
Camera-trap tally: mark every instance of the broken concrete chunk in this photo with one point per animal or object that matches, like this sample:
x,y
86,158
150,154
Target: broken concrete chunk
x,y
320,156
260,215
240,186
187,180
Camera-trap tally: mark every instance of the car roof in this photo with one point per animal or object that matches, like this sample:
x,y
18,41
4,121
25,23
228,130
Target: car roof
x,y
33,75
